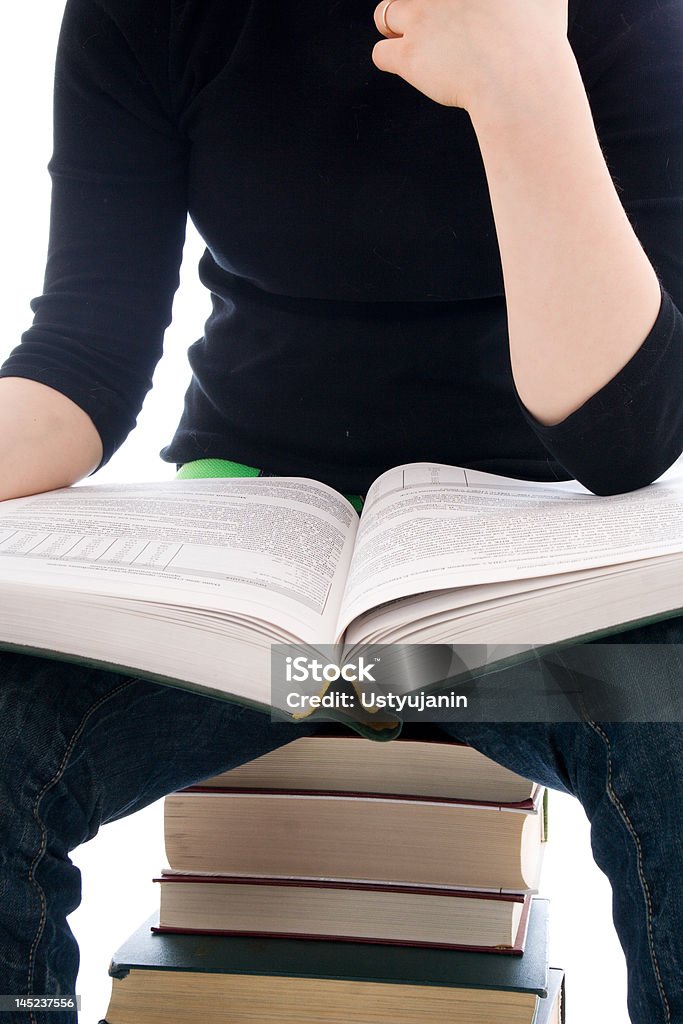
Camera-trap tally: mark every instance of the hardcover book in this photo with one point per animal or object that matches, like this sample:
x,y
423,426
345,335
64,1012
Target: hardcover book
x,y
179,979
423,762
190,582
344,837
308,908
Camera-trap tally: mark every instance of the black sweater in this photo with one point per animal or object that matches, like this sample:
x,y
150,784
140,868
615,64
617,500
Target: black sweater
x,y
358,313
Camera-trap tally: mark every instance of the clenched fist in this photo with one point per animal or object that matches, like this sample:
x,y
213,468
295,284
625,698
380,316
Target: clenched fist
x,y
462,52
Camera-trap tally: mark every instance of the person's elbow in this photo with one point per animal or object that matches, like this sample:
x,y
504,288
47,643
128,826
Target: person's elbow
x,y
46,440
625,473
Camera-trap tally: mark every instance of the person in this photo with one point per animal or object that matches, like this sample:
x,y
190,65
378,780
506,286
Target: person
x,y
448,233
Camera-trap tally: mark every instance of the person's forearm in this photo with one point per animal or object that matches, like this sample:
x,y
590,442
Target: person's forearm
x,y
46,440
581,294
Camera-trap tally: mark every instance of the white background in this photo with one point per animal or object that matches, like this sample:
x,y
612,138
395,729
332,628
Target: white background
x,y
118,864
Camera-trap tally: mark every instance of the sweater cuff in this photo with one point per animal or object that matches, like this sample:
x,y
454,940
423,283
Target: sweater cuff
x,y
631,430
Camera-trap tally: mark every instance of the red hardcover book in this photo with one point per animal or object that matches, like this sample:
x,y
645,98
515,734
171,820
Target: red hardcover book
x,y
308,908
356,837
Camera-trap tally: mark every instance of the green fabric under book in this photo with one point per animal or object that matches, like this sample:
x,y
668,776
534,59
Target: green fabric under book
x,y
178,978
214,467
201,468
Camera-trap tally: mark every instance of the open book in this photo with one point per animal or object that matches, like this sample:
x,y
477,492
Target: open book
x,y
190,582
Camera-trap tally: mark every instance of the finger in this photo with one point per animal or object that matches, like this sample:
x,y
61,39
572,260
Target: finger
x,y
386,56
388,18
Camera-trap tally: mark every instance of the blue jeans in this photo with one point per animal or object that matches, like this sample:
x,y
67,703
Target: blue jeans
x,y
80,747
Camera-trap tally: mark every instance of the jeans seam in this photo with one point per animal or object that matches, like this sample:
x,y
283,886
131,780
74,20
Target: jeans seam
x,y
43,842
616,802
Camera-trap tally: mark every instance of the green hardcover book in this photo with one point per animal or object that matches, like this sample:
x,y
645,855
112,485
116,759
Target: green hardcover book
x,y
191,582
178,979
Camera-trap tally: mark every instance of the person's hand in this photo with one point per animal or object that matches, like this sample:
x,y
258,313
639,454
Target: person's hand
x,y
463,52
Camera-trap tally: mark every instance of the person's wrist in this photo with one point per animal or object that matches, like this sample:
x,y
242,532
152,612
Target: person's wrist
x,y
546,70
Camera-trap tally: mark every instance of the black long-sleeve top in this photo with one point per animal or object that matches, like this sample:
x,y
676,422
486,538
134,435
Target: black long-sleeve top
x,y
358,312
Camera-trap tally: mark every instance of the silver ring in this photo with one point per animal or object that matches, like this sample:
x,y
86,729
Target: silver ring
x,y
385,24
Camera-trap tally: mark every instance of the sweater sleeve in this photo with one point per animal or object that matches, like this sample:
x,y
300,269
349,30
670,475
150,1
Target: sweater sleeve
x,y
630,431
118,216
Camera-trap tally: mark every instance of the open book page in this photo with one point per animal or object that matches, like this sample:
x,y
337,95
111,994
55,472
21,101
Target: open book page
x,y
429,527
391,621
274,549
547,609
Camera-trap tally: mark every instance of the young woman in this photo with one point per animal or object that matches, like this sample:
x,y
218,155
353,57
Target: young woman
x,y
459,244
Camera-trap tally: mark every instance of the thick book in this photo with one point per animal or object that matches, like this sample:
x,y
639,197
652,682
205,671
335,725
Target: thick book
x,y
355,837
551,1010
306,908
423,762
178,979
190,582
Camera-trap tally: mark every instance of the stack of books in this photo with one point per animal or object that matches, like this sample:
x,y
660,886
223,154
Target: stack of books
x,y
338,879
